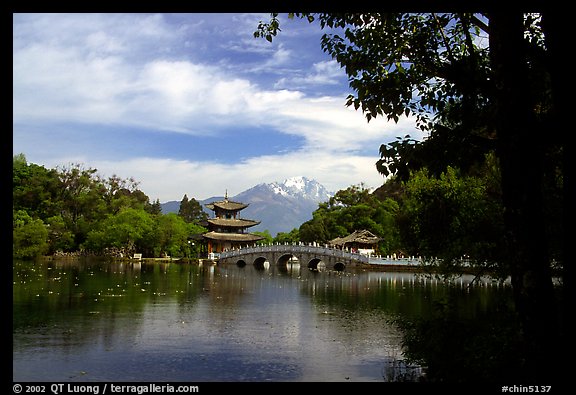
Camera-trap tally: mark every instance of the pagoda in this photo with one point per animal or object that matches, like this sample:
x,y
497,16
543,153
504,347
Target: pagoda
x,y
226,230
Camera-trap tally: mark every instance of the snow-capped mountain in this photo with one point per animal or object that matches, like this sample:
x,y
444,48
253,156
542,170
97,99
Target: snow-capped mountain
x,y
282,206
298,187
279,206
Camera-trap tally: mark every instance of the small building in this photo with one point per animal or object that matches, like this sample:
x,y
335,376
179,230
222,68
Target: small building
x,y
361,241
226,230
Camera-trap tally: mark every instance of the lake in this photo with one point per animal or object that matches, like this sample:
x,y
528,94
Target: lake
x,y
94,320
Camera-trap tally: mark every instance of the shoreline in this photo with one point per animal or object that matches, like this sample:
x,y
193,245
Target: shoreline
x,y
414,268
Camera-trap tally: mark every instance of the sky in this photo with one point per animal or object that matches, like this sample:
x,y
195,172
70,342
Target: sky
x,y
189,103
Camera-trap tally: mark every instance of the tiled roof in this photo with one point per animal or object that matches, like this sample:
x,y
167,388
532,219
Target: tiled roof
x,y
241,237
359,236
236,223
227,205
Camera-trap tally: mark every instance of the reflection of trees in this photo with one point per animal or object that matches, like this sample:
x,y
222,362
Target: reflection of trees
x,y
82,299
393,293
482,347
440,324
78,300
121,304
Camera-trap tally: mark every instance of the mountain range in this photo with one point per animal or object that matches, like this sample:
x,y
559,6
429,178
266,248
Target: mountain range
x,y
279,206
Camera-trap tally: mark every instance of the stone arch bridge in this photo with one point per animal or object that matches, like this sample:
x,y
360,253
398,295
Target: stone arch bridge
x,y
310,256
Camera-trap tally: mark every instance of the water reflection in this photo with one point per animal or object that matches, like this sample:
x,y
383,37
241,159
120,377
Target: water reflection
x,y
94,320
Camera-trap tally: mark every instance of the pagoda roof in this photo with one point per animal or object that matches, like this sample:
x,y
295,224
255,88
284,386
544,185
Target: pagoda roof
x,y
358,236
226,204
237,237
236,223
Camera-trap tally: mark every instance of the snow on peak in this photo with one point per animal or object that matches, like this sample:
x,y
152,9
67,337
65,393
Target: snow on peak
x,y
301,187
296,182
278,189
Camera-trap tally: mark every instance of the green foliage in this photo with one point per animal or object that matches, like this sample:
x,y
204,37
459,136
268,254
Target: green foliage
x,y
452,217
130,230
29,236
191,211
119,193
172,235
194,248
477,84
351,209
72,208
35,189
287,238
154,208
440,68
400,64
59,236
268,30
427,65
267,237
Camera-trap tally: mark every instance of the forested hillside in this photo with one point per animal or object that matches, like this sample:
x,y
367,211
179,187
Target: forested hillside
x,y
74,210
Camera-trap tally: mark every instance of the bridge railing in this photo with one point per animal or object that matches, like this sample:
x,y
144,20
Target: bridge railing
x,y
294,249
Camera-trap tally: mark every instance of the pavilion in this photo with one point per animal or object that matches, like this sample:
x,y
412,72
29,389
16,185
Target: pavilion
x,y
226,230
362,241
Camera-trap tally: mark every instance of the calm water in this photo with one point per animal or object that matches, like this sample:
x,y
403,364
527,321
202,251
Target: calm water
x,y
162,322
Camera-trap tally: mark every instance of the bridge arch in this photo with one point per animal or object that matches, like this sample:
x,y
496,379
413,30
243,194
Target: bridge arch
x,y
339,266
286,259
261,263
319,265
240,263
316,264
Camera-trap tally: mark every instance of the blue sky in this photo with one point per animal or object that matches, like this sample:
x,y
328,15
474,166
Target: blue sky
x,y
189,103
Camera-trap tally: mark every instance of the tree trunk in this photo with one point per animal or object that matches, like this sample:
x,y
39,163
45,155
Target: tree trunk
x,y
522,172
557,25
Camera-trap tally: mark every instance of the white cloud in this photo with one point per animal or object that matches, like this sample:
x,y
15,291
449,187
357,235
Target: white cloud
x,y
327,124
141,71
62,85
323,73
167,179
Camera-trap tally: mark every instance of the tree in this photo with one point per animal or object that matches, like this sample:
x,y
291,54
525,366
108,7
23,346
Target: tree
x,y
119,193
81,196
131,230
29,236
267,237
518,127
172,235
35,189
351,209
453,217
60,238
471,98
287,238
155,208
314,229
72,201
191,211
